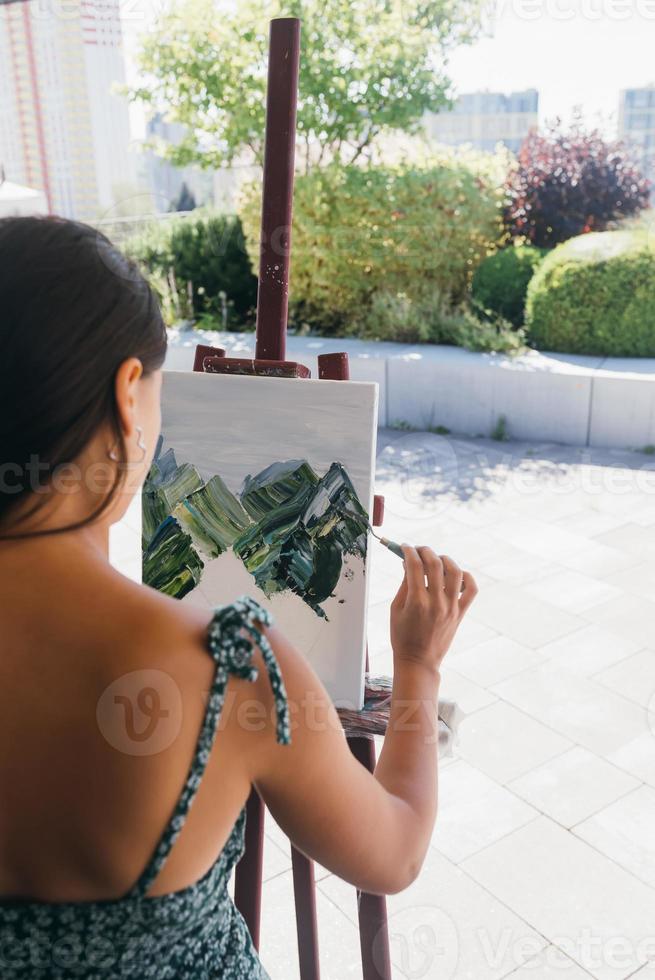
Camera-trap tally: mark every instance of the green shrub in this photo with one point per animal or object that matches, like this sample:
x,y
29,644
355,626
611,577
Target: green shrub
x,y
428,319
200,267
398,317
595,294
465,328
500,282
399,229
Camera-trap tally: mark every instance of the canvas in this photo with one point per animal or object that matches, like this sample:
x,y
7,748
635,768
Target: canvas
x,y
264,486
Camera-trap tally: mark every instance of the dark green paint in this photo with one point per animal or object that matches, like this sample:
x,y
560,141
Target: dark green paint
x,y
170,563
275,486
290,528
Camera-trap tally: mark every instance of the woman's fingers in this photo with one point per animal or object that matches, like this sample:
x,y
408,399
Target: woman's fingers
x,y
432,568
414,571
401,595
469,593
454,576
444,578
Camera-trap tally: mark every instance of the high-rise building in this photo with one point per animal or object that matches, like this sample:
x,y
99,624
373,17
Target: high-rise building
x,y
485,119
637,125
62,128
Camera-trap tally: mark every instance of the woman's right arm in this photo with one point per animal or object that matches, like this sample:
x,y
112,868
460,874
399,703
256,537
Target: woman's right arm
x,y
373,830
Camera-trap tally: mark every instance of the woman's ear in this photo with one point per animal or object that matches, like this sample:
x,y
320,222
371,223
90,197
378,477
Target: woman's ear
x,y
127,377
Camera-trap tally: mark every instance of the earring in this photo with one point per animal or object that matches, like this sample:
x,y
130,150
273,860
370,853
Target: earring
x,y
113,455
140,443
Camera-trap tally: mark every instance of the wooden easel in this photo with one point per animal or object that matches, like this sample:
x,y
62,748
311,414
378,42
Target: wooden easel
x,y
269,360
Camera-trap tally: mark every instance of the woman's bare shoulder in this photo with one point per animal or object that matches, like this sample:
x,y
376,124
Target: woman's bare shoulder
x,y
159,616
164,631
135,627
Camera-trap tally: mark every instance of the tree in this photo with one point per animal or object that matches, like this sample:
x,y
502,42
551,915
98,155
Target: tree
x,y
366,66
568,183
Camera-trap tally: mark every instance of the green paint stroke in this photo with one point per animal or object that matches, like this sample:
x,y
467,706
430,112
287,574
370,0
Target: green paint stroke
x,y
335,510
290,528
278,552
213,517
275,486
171,564
167,485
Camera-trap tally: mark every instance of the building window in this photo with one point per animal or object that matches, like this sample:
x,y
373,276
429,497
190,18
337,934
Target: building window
x,y
640,98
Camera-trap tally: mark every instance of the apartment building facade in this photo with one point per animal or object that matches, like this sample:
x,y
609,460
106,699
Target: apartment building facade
x,y
484,119
63,130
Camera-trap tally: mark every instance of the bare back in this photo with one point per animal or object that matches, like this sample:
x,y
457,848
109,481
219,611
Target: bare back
x,y
84,799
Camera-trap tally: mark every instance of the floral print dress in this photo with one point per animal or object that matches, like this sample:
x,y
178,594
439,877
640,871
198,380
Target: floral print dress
x,y
192,934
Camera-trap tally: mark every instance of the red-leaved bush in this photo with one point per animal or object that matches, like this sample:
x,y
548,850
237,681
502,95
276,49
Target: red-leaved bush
x,y
568,183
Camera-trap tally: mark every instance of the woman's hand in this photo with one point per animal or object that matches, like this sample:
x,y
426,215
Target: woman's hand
x,y
429,606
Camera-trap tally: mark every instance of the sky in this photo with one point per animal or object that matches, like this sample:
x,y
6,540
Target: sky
x,y
575,52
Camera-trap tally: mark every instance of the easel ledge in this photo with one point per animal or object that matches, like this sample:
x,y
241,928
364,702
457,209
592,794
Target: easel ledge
x,y
212,360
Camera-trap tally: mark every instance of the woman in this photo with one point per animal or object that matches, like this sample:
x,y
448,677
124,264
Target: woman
x,y
117,841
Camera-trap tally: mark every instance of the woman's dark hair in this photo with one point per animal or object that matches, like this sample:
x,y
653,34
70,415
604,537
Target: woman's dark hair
x,y
72,309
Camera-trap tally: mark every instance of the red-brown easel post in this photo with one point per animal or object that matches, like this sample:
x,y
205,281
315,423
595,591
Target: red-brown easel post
x,y
269,360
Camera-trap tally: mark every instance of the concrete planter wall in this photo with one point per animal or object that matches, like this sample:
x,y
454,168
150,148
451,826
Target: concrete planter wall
x,y
547,397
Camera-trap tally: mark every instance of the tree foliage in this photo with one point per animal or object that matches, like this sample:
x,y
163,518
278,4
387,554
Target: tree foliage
x,y
366,66
569,183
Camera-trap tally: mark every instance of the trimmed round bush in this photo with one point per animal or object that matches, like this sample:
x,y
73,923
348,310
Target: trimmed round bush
x,y
595,294
500,282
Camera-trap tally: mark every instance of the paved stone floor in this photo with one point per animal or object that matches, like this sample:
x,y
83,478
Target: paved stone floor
x,y
543,861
